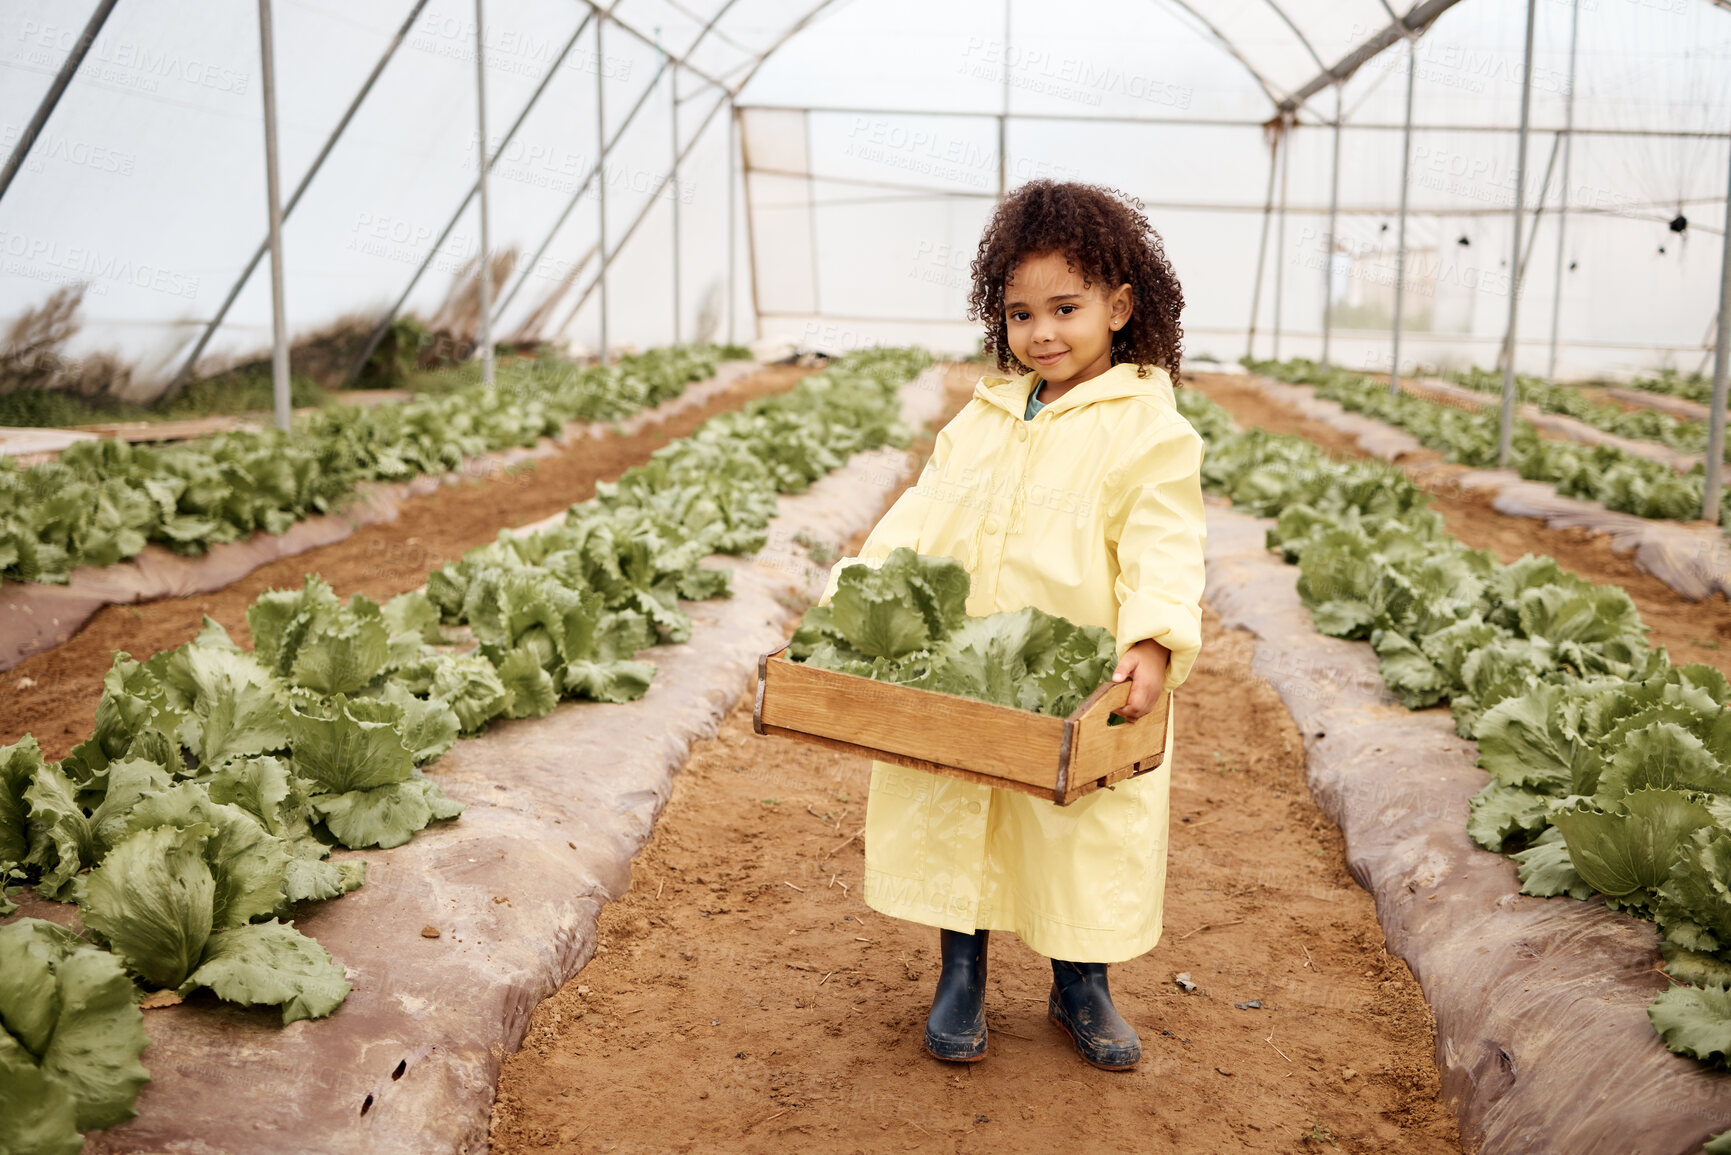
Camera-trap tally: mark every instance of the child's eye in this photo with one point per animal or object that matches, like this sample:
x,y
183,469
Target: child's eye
x,y
1018,316
1066,308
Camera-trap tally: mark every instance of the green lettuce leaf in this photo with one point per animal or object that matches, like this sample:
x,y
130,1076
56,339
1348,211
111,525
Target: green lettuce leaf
x,y
309,879
1662,755
878,615
531,689
19,764
1499,811
356,748
130,781
247,863
1546,871
271,964
1694,908
1405,669
429,727
260,786
471,687
37,1115
1522,741
345,658
613,681
413,614
152,899
98,1036
235,706
1631,845
1694,1021
62,839
385,816
1694,967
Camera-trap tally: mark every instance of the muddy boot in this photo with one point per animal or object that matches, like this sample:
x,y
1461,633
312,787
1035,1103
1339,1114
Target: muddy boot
x,y
956,1028
1082,1006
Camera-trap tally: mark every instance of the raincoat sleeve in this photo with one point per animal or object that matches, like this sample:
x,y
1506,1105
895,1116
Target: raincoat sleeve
x,y
902,523
1156,527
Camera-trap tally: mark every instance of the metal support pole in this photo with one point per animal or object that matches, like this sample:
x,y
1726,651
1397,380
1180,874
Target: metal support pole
x,y
811,223
526,268
601,180
279,361
1721,357
673,111
56,89
1504,351
1400,234
607,256
294,199
1004,117
1506,435
384,322
750,231
1275,145
1563,203
1280,235
732,219
1328,252
481,163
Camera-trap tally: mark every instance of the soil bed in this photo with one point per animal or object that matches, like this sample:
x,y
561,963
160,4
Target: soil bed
x,y
54,694
1692,631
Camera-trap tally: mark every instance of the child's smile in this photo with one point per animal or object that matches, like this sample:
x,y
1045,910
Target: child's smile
x,y
1060,324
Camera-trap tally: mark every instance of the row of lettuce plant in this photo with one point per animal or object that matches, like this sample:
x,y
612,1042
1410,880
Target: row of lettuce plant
x,y
1603,473
1681,434
101,501
1689,386
201,812
1610,767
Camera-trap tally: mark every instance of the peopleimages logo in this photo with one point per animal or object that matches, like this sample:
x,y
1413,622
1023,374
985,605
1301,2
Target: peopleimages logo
x,y
127,64
519,51
57,148
50,260
1071,78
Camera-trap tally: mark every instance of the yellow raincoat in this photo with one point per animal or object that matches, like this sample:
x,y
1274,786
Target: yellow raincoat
x,y
1092,511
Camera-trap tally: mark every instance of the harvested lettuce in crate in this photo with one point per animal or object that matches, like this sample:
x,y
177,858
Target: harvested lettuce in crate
x,y
906,622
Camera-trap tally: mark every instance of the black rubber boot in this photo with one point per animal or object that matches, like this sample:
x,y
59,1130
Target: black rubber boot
x,y
956,1028
1082,1007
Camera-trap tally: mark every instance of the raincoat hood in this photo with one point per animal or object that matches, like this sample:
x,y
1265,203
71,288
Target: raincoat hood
x,y
1120,381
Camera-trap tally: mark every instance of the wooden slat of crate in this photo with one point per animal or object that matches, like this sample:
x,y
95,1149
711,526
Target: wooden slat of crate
x,y
1102,754
921,728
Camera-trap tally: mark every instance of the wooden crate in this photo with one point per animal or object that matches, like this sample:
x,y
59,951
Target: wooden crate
x,y
1057,758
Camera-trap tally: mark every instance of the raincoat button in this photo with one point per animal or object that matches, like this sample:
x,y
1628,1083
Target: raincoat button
x,y
973,808
1022,432
991,525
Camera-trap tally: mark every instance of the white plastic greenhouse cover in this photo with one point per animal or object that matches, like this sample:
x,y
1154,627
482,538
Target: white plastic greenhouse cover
x,y
837,159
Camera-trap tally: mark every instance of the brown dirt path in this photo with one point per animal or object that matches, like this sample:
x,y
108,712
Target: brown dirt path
x,y
1691,631
54,694
743,998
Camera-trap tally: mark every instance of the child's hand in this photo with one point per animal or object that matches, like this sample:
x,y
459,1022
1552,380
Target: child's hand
x,y
1144,666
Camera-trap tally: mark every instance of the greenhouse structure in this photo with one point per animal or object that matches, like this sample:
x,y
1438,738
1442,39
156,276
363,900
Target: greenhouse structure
x,y
453,459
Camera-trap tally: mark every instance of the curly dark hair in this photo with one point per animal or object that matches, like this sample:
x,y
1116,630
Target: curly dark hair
x,y
1103,235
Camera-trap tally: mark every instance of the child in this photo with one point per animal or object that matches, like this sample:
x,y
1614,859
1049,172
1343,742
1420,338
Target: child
x,y
1075,488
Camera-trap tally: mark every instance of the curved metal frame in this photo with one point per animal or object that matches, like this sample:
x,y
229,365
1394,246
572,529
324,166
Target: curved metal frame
x,y
1261,81
1409,26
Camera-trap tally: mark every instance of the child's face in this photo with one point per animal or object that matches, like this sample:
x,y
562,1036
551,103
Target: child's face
x,y
1060,325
